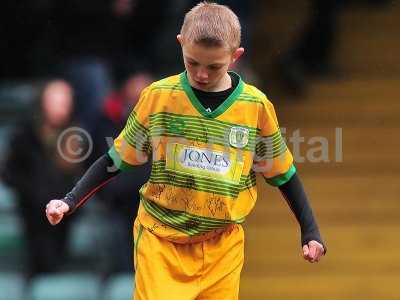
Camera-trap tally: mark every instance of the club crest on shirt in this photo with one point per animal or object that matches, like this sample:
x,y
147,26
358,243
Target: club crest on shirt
x,y
239,137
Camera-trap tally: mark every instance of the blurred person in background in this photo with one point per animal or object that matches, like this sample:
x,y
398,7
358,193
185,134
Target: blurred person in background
x,y
120,196
311,53
36,170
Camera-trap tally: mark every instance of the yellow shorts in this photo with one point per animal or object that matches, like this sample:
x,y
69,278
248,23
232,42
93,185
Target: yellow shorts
x,y
197,271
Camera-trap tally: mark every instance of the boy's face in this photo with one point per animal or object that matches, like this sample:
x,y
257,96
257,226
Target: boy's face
x,y
207,66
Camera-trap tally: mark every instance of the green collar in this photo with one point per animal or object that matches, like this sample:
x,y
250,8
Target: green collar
x,y
197,104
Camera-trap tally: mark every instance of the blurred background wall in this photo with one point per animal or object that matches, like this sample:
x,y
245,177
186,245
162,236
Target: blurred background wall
x,y
332,69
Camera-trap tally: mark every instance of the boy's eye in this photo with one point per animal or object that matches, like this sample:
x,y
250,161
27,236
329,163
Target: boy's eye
x,y
214,67
192,63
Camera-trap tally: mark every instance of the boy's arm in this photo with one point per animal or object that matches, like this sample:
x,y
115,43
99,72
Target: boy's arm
x,y
132,147
98,175
293,192
275,162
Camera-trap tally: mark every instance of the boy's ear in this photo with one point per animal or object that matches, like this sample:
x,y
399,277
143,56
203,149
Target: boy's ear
x,y
237,54
179,38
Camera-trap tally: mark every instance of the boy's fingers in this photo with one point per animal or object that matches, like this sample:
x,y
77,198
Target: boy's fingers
x,y
64,208
54,220
54,212
313,251
306,253
57,206
305,250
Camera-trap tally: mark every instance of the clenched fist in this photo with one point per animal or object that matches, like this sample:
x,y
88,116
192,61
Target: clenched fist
x,y
313,251
55,211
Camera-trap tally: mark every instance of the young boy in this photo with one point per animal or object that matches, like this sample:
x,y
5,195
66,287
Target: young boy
x,y
208,133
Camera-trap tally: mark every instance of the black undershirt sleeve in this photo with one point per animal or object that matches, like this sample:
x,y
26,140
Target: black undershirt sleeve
x,y
296,198
97,176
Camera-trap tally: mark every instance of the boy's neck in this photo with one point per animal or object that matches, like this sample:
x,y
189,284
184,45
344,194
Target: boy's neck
x,y
226,83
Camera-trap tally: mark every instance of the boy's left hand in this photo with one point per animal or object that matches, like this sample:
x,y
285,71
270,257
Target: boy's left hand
x,y
313,251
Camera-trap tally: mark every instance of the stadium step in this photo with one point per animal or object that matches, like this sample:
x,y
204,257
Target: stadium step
x,y
312,285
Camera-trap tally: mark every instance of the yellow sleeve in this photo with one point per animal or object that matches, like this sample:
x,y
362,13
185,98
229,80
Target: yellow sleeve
x,y
132,146
272,157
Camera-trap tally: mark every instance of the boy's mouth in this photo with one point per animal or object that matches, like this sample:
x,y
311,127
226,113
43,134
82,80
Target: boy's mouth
x,y
201,83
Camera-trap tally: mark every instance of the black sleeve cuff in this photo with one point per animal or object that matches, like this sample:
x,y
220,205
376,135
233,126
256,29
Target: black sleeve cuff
x,y
296,198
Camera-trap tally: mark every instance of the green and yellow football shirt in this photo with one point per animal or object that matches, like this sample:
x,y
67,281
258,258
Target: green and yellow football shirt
x,y
204,164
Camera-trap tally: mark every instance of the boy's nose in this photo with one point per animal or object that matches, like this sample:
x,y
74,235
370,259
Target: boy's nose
x,y
202,74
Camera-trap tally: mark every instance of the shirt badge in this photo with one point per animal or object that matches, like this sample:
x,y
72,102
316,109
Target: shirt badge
x,y
239,137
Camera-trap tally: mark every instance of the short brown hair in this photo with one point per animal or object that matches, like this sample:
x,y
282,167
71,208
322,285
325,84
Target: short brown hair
x,y
212,25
